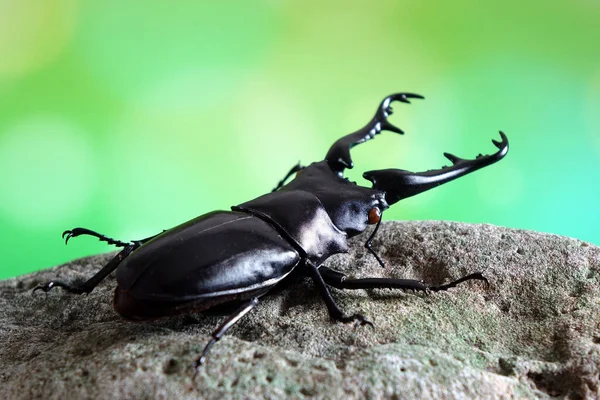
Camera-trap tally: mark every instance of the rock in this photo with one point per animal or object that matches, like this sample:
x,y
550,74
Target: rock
x,y
534,333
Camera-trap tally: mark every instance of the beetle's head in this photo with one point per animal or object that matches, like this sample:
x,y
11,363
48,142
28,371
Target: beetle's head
x,y
351,207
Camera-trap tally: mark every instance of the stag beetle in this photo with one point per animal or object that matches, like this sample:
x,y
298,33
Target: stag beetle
x,y
229,259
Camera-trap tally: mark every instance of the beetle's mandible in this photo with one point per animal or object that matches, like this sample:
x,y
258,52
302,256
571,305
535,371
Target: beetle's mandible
x,y
283,234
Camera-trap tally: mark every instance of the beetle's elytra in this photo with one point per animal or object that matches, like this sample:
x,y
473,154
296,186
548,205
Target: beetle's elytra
x,y
229,259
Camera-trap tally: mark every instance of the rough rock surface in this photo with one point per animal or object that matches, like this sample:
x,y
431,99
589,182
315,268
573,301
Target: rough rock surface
x,y
534,333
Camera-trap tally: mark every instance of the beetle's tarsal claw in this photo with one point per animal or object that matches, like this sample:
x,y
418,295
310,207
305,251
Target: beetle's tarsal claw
x,y
479,276
199,362
362,320
196,365
69,235
46,287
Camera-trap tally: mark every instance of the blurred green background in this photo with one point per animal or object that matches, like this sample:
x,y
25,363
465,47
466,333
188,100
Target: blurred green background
x,y
131,117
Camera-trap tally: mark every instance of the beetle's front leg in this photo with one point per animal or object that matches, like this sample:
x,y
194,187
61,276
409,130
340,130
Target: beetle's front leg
x,y
369,245
334,311
341,281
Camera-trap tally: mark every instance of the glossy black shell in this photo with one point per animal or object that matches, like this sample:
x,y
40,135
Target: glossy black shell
x,y
217,257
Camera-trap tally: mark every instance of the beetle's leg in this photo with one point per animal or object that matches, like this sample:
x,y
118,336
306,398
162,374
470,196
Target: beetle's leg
x,y
91,283
369,243
291,172
224,327
338,156
68,234
84,231
341,281
334,310
399,184
475,276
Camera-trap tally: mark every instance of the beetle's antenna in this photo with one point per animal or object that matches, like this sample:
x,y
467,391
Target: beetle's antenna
x,y
369,243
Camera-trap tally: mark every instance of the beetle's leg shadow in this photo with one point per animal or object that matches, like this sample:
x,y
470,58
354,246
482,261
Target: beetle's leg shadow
x,y
334,311
91,283
341,281
224,327
296,168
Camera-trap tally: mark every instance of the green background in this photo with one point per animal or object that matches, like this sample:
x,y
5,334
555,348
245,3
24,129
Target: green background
x,y
131,117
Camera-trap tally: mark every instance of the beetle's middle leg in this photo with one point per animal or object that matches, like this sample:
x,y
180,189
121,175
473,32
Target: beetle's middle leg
x,y
224,327
334,310
341,281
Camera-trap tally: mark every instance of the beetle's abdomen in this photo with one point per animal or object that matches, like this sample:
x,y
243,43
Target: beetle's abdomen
x,y
218,255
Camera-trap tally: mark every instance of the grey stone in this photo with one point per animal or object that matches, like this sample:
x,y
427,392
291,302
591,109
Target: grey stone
x,y
534,333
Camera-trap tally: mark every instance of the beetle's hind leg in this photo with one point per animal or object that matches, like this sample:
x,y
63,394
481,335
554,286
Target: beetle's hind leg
x,y
475,276
224,327
341,281
91,283
68,234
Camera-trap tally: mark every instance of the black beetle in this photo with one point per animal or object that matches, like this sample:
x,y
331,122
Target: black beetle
x,y
229,259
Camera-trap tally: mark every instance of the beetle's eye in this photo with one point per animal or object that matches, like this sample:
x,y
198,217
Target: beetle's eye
x,y
374,215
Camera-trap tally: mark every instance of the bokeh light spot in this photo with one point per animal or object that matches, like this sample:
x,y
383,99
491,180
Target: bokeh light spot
x,y
47,167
